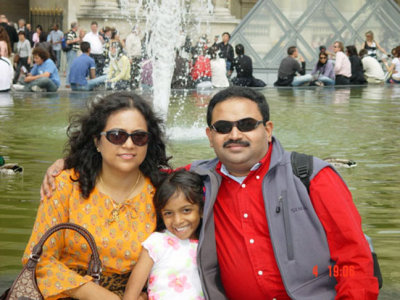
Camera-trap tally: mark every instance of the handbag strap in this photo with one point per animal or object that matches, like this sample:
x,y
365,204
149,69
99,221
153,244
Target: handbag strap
x,y
94,268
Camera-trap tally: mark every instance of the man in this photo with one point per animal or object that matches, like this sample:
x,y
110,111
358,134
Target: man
x,y
82,67
226,51
44,74
342,65
96,45
263,235
250,187
244,69
55,38
372,68
72,40
289,67
12,32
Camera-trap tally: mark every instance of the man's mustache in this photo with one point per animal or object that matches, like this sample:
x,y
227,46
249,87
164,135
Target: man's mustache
x,y
236,142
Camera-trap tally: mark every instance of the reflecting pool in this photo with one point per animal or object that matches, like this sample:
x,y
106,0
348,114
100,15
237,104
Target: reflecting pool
x,y
362,124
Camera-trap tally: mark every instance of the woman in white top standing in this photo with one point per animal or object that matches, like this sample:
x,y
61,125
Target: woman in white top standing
x,y
218,69
24,52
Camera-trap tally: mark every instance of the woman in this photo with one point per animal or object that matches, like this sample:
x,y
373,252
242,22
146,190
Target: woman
x,y
5,46
119,72
24,52
372,46
357,69
323,70
394,68
38,35
113,158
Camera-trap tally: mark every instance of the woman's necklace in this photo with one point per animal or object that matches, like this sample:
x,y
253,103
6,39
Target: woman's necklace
x,y
118,205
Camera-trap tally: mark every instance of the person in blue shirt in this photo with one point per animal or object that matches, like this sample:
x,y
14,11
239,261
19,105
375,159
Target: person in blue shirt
x,y
82,67
44,74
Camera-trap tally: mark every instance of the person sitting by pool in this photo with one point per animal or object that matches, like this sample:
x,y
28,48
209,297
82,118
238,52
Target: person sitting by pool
x,y
394,67
218,68
119,74
357,69
44,74
244,69
82,67
372,46
342,65
289,68
373,72
323,70
114,153
201,70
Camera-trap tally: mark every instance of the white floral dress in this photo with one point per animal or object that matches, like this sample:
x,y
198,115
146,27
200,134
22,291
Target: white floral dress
x,y
174,274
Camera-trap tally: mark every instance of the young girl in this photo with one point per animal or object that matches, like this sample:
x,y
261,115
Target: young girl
x,y
168,258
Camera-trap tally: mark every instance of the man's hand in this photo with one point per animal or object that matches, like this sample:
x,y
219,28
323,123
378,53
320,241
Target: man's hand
x,y
48,185
301,59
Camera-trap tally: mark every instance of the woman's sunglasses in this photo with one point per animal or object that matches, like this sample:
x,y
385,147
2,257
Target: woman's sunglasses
x,y
244,125
119,137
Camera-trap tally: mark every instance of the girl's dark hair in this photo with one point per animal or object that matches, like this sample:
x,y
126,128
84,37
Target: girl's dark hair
x,y
4,37
81,152
182,181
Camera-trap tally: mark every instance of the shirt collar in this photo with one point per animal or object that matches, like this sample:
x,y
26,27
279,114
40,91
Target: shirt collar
x,y
256,166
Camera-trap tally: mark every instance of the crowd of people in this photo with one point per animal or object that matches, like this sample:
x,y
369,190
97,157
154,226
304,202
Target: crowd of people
x,y
343,66
123,63
118,63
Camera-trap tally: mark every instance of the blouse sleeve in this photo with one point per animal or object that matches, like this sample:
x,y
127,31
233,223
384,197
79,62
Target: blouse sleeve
x,y
53,276
153,244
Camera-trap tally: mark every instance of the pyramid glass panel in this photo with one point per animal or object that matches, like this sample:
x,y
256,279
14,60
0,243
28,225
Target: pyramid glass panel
x,y
274,25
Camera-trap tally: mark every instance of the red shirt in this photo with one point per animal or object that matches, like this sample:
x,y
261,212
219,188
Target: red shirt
x,y
244,249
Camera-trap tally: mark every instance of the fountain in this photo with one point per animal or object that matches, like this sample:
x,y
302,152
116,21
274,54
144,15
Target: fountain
x,y
165,21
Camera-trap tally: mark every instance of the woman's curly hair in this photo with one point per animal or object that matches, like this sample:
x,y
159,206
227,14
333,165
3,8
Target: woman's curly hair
x,y
81,152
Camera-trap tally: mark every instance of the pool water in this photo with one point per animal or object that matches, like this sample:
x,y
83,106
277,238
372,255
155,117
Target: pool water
x,y
358,123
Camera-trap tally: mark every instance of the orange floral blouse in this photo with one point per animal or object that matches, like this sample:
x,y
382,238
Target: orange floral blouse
x,y
118,241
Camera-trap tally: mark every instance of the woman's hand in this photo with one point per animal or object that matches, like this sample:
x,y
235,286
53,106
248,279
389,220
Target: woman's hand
x,y
48,186
92,291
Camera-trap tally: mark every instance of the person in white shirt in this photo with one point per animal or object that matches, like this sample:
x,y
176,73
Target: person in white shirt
x,y
96,42
394,68
342,65
372,68
218,69
7,74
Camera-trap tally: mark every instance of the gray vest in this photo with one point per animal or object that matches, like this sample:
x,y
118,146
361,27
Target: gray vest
x,y
297,235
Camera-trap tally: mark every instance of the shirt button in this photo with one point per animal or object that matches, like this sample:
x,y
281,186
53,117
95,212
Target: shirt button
x,y
251,241
243,185
260,273
245,216
257,177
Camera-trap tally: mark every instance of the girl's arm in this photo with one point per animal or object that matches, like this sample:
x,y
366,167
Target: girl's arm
x,y
139,276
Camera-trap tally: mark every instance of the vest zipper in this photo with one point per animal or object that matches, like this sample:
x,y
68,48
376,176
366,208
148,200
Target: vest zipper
x,y
288,233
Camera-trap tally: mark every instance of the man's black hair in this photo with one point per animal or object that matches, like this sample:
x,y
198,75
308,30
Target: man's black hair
x,y
239,92
239,49
85,46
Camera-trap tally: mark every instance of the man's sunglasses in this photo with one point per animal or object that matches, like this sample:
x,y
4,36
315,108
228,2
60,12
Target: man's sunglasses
x,y
119,137
244,125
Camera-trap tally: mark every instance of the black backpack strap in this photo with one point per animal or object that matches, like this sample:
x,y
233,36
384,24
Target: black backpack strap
x,y
302,165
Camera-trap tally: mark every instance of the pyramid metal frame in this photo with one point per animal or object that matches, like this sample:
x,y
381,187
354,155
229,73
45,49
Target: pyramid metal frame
x,y
380,16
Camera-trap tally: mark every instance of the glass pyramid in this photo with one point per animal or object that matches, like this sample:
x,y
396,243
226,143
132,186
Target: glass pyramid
x,y
274,25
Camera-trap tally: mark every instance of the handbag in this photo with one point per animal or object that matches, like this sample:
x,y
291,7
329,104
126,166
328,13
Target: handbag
x,y
25,286
16,58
